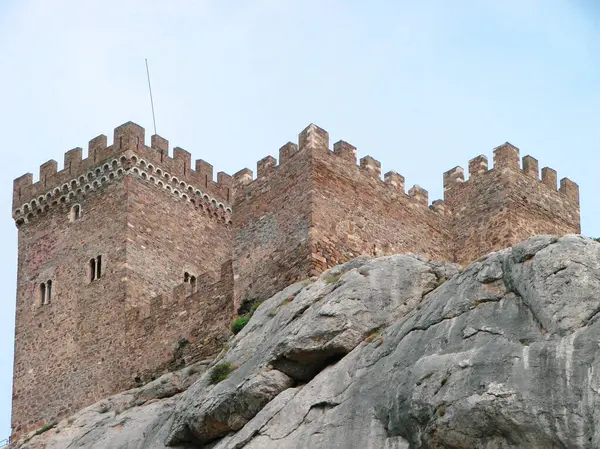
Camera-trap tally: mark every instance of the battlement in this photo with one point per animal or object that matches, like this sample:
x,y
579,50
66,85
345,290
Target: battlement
x,y
127,154
184,297
506,157
316,140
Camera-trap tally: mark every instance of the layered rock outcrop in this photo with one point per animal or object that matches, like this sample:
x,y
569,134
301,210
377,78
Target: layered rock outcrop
x,y
395,352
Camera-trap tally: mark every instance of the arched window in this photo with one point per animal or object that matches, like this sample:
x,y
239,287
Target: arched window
x,y
46,292
186,277
75,212
95,270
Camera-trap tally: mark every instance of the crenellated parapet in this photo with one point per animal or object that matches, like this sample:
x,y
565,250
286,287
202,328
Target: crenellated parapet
x,y
128,155
316,140
185,296
506,158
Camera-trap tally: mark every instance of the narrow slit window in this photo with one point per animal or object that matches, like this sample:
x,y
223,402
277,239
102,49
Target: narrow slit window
x,y
99,267
92,270
48,292
193,283
95,270
43,293
186,277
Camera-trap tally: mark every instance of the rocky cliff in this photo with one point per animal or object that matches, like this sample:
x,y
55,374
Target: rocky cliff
x,y
389,353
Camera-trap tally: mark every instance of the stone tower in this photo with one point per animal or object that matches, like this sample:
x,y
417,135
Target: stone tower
x,y
102,244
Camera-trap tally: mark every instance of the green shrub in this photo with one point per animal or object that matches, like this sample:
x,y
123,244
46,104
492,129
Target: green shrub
x,y
220,372
46,428
239,323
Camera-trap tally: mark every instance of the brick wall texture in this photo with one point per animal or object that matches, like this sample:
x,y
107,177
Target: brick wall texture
x,y
180,253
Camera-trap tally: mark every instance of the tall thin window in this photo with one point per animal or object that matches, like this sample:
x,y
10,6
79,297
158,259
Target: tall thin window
x,y
193,283
186,277
43,293
48,292
95,270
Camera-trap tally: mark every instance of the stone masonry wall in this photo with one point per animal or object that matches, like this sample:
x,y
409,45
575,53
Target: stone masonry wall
x,y
169,236
500,207
150,223
62,349
272,221
317,209
99,337
355,212
348,211
180,327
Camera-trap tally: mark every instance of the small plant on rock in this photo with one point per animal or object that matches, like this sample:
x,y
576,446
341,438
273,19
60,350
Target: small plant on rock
x,y
332,278
440,281
441,410
256,305
46,428
374,334
239,323
220,372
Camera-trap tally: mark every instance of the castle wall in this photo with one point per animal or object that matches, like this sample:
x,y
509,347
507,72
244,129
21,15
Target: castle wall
x,y
500,207
317,208
355,212
169,236
272,220
179,327
61,348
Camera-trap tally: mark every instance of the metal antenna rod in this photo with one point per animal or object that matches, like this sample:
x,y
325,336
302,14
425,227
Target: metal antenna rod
x,y
151,101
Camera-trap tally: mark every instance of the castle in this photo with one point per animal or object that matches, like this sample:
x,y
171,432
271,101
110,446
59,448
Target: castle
x,y
132,262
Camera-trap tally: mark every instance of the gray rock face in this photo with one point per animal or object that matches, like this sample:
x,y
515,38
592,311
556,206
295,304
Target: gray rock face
x,y
135,419
386,353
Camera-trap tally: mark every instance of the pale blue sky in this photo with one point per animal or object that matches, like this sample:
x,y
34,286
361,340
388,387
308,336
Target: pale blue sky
x,y
422,86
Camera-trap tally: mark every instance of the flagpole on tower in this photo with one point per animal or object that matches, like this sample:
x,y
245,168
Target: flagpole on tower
x,y
151,100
